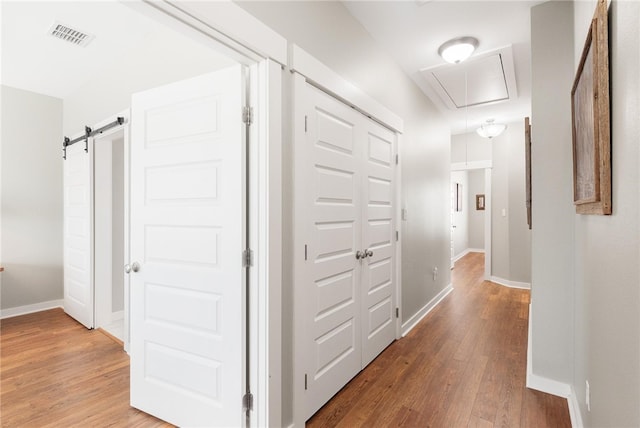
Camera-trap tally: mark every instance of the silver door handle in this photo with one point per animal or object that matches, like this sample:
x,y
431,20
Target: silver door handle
x,y
133,267
360,255
368,253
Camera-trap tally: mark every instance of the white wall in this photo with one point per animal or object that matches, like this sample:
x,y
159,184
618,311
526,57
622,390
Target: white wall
x,y
585,295
117,226
605,266
510,236
327,31
31,217
476,217
552,297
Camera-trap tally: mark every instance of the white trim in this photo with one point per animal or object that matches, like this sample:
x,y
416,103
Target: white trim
x,y
467,251
318,74
574,410
236,30
510,284
29,309
540,383
116,316
488,204
465,166
418,316
398,224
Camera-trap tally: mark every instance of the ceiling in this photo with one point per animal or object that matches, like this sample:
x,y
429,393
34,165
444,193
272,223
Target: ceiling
x,y
33,60
412,31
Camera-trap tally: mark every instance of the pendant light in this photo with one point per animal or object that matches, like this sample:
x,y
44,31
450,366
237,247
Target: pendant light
x,y
490,129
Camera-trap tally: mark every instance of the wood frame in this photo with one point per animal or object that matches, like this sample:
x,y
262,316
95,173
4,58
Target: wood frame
x,y
458,197
480,200
591,121
527,160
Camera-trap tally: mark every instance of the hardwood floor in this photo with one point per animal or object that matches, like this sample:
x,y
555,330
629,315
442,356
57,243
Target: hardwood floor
x,y
464,365
56,373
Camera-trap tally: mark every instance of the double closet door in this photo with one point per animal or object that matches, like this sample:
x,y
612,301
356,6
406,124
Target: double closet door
x,y
345,170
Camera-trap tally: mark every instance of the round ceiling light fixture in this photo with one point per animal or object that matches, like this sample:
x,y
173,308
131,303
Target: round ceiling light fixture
x,y
491,129
457,50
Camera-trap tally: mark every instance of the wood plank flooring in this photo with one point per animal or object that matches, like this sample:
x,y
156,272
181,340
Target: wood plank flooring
x,y
56,373
464,365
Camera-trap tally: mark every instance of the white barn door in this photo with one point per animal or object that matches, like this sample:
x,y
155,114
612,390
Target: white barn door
x,y
78,233
188,192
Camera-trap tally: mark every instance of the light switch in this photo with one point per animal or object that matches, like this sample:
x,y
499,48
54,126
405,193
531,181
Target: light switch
x,y
504,212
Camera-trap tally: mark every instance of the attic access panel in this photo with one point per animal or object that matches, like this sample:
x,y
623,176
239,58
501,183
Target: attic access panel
x,y
484,79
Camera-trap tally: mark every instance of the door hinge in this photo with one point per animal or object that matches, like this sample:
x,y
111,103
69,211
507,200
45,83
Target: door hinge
x,y
397,160
397,312
305,252
247,401
247,258
247,115
397,236
305,381
305,124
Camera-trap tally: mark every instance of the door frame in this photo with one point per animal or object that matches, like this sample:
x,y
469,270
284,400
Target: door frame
x,y
308,70
487,167
228,29
109,134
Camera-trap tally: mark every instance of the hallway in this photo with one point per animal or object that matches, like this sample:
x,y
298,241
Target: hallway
x,y
463,365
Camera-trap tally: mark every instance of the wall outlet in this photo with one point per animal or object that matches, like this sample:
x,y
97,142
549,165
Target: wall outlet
x,y
435,273
587,393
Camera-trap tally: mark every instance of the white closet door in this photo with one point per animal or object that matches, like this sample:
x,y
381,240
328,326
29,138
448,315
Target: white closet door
x,y
78,233
378,237
331,192
187,236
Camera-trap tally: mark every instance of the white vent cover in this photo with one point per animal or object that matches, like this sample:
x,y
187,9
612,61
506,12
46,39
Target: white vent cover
x,y
68,34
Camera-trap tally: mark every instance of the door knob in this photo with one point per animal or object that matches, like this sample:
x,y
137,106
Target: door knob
x,y
360,255
132,267
368,253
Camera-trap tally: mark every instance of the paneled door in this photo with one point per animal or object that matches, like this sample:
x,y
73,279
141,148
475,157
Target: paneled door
x,y
188,190
78,232
378,239
333,221
345,169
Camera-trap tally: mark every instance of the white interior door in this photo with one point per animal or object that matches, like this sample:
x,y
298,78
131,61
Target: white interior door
x,y
78,233
345,217
332,176
378,267
187,236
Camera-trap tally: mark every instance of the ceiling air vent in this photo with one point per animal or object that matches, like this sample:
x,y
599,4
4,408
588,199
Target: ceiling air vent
x,y
69,34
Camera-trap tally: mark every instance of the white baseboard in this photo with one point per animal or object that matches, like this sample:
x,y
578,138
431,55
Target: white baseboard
x,y
511,284
29,309
475,250
118,315
415,319
467,251
574,410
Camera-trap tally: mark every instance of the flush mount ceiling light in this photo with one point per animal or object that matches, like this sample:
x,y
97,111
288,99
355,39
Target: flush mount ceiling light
x,y
457,50
491,129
